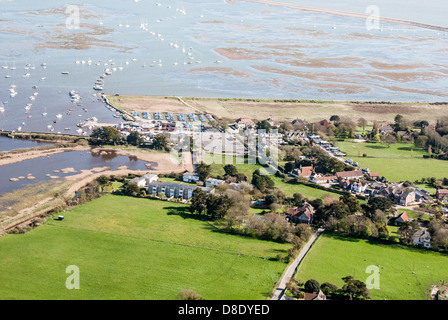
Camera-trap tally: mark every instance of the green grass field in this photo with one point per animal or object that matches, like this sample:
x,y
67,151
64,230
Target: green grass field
x,y
332,258
130,248
399,162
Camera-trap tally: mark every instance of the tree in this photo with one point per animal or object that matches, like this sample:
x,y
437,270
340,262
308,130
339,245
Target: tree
x,y
297,198
355,289
328,288
264,125
352,203
106,135
131,189
203,170
198,202
362,123
161,142
218,206
261,182
230,170
135,139
102,181
379,203
335,118
407,230
289,166
388,139
312,286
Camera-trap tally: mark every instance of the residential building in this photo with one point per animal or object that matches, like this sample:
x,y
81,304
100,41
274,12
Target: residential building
x,y
323,179
422,238
442,195
174,190
304,171
211,182
144,180
356,174
245,123
373,175
190,177
315,296
302,214
406,198
273,123
358,187
385,129
402,218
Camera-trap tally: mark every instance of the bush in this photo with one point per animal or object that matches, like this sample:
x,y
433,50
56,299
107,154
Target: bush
x,y
188,295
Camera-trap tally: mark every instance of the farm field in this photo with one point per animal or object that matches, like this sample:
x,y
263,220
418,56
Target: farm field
x,y
400,162
405,273
130,248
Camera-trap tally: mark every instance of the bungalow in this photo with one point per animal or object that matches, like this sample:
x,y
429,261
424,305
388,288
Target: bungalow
x,y
356,174
373,175
190,177
326,179
442,195
385,129
422,238
244,123
402,218
302,214
211,182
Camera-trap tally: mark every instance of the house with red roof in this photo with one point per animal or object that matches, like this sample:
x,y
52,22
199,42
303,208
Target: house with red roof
x,y
402,218
302,214
355,174
442,194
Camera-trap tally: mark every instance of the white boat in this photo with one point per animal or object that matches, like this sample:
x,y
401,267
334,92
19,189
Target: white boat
x,y
26,75
98,88
59,116
65,72
5,66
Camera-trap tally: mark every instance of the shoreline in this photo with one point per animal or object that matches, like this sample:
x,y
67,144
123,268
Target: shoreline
x,y
351,14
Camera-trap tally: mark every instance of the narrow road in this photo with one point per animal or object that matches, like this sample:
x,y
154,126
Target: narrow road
x,y
289,273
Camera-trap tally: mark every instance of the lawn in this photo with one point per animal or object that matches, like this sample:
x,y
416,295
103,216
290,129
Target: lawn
x,y
130,248
399,162
405,273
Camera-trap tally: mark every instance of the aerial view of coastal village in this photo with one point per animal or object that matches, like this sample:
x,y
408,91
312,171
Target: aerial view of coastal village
x,y
224,150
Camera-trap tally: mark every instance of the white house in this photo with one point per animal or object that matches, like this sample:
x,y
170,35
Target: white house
x,y
190,177
145,180
422,238
211,182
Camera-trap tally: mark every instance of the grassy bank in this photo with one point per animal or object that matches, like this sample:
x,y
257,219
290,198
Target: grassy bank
x,y
405,273
129,248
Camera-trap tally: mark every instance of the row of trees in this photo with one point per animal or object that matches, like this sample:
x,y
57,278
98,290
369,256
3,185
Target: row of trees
x,y
352,289
112,136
